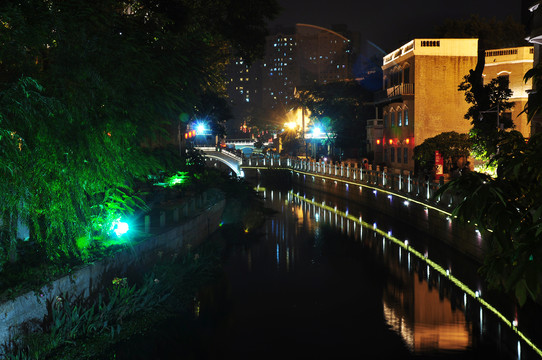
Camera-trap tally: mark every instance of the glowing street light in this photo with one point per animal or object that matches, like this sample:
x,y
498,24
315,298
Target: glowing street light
x,y
202,129
290,125
316,132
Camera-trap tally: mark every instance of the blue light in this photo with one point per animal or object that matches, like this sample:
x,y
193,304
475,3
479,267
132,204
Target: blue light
x,y
200,129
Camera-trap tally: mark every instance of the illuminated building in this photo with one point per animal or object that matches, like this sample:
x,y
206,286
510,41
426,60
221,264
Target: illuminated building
x,y
296,59
512,63
532,18
420,97
323,55
279,69
243,86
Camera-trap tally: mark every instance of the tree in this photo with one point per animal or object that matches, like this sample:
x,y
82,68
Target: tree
x,y
302,100
340,108
488,99
508,210
489,103
451,145
534,105
83,83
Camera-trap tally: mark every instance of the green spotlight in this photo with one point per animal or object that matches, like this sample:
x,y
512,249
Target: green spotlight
x,y
119,227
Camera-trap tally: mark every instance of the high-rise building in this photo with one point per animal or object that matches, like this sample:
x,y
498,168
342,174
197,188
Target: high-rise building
x,y
294,58
244,89
323,55
280,70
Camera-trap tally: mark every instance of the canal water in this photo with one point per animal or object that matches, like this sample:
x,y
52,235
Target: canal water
x,y
312,283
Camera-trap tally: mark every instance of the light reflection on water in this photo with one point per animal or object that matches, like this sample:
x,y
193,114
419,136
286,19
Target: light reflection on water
x,y
314,284
425,320
423,316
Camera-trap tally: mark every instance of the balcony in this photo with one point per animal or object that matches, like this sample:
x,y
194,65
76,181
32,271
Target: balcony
x,y
394,92
375,123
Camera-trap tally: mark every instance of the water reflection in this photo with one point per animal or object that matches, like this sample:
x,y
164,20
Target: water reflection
x,y
318,283
429,316
425,319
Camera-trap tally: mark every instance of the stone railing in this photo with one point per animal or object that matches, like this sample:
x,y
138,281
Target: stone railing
x,y
402,183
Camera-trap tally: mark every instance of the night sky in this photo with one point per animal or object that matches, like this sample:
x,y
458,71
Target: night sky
x,y
388,24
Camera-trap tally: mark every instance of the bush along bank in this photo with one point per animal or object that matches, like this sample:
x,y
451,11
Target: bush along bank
x,y
86,329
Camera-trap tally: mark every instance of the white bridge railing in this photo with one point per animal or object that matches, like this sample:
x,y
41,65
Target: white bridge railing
x,y
404,182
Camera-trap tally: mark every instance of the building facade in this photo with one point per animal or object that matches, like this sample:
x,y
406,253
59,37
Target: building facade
x,y
280,72
512,64
323,55
420,97
243,86
532,19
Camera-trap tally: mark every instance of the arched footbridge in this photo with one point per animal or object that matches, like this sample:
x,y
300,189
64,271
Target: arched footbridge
x,y
231,160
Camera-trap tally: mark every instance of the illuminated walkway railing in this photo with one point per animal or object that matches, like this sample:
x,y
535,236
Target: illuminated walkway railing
x,y
402,184
475,295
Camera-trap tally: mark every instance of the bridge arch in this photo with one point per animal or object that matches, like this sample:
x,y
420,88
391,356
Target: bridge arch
x,y
230,160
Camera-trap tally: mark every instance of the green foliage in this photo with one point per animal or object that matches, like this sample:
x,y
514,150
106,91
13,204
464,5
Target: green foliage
x,y
180,179
61,188
71,124
534,105
339,109
509,209
451,145
72,321
489,103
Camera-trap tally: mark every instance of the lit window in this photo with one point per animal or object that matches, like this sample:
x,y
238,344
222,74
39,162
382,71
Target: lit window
x,y
392,119
406,117
399,119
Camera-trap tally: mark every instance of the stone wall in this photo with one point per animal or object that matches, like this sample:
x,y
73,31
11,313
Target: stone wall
x,y
456,234
32,307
